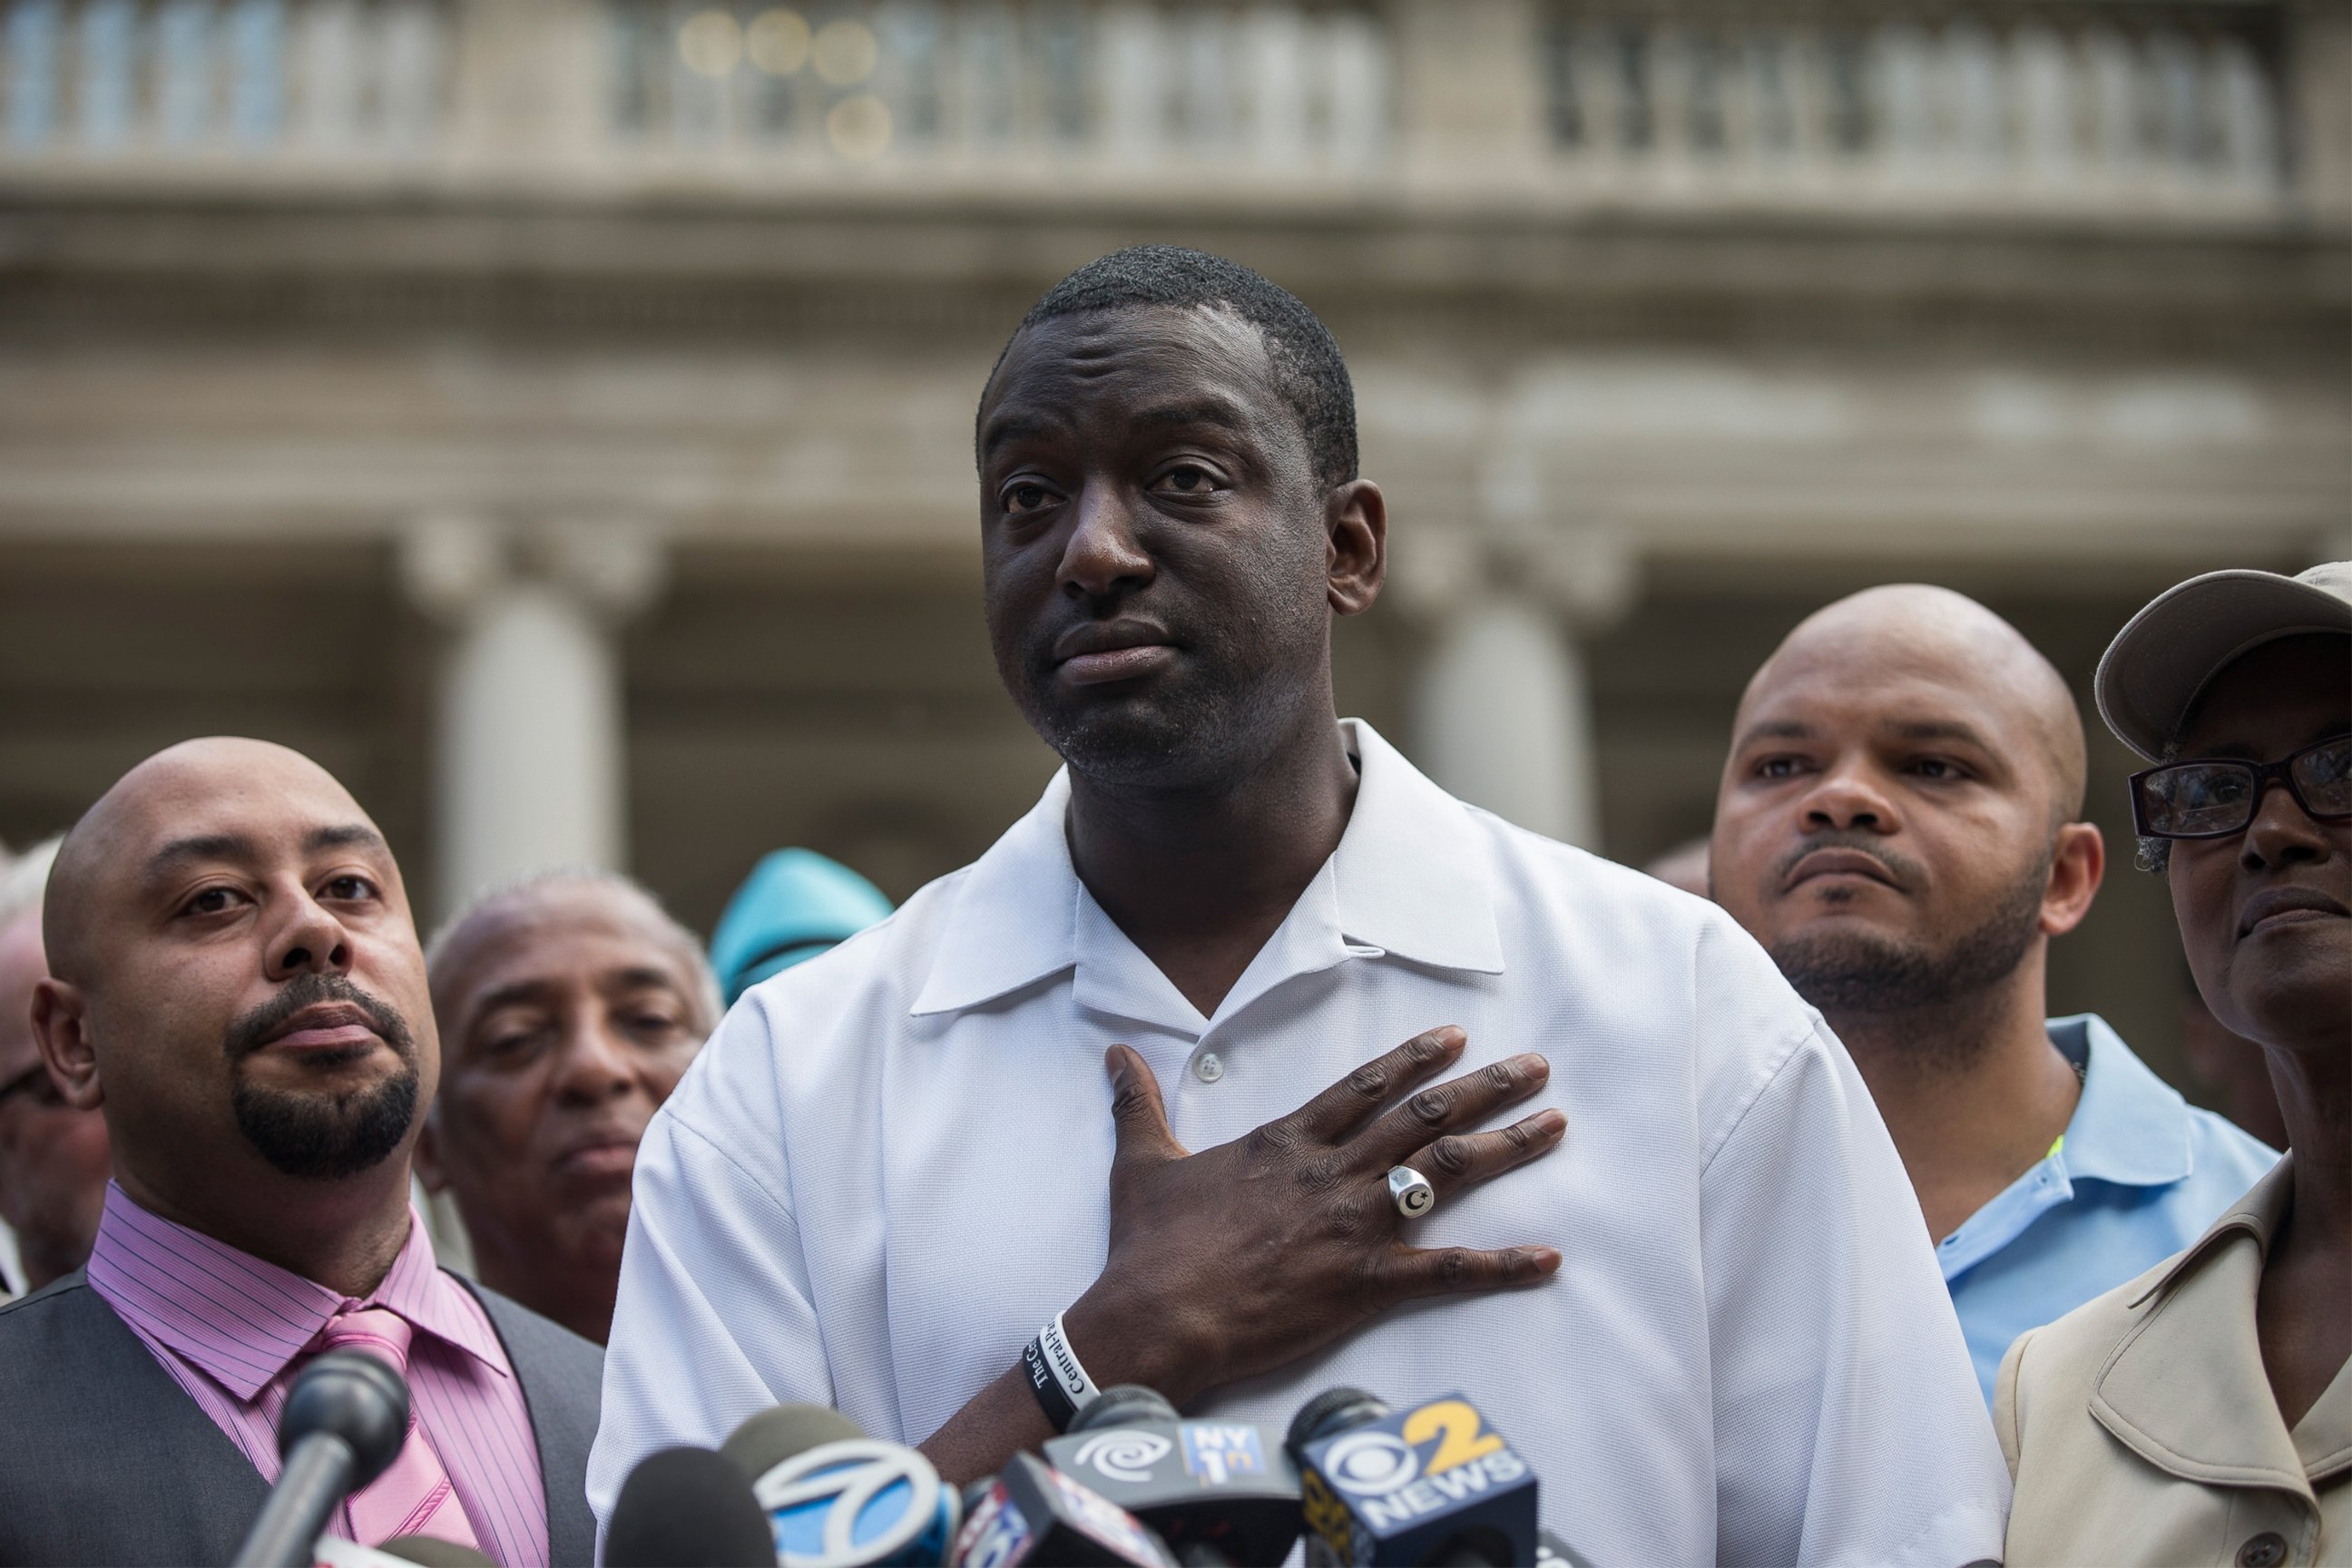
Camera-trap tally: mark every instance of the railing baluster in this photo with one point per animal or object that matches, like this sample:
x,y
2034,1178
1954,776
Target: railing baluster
x,y
186,78
256,55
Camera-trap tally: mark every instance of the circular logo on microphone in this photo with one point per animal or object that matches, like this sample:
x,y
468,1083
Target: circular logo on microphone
x,y
1125,1454
854,1502
1372,1464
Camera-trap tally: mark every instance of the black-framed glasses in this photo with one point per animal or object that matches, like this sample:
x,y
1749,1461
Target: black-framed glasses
x,y
2215,798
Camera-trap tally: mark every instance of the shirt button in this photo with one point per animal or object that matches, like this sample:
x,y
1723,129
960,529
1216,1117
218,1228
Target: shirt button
x,y
2267,1549
1208,1066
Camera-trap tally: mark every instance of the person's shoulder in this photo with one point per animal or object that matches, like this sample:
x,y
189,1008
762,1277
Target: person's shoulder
x,y
536,1344
57,1298
46,1333
1671,970
887,959
805,1034
1586,886
2063,1357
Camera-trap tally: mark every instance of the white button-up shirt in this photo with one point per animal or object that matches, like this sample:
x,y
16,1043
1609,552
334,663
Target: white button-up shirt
x,y
891,1163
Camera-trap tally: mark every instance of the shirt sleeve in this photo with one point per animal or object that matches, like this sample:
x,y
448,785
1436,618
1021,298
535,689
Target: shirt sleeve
x,y
1849,1424
714,1321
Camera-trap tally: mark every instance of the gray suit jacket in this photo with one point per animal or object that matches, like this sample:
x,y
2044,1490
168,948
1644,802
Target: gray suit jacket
x,y
104,1460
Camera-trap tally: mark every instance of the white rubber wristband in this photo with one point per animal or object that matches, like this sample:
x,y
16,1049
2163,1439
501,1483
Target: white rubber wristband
x,y
1063,1363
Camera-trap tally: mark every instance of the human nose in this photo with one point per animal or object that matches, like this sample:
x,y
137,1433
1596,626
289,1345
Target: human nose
x,y
1848,799
595,1065
1103,557
2280,831
311,941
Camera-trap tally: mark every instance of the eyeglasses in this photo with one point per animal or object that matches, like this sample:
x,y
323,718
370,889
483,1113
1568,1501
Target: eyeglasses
x,y
2215,799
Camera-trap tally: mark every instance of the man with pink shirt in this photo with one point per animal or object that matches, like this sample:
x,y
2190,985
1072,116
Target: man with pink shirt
x,y
237,985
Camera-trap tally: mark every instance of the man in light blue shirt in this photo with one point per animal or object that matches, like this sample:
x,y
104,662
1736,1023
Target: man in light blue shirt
x,y
1897,824
2139,1174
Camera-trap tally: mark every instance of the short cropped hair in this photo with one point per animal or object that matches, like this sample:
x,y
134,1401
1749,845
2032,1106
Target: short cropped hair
x,y
1309,373
538,883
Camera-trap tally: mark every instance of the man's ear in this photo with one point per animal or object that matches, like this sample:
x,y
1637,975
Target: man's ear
x,y
2077,862
61,1030
1355,553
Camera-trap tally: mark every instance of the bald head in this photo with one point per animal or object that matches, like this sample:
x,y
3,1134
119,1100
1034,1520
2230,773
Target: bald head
x,y
133,833
522,913
236,981
1895,822
1948,640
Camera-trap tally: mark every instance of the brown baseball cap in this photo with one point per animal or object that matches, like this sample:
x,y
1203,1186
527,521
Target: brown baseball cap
x,y
2166,656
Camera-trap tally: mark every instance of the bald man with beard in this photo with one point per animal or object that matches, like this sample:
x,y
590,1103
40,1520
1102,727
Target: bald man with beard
x,y
1897,825
234,983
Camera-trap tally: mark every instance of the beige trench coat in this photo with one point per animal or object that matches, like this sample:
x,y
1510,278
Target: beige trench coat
x,y
2141,1429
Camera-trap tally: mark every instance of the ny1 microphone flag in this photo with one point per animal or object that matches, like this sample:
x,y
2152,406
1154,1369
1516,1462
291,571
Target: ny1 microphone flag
x,y
1214,1490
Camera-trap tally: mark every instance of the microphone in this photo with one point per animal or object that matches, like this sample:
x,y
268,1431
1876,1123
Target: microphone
x,y
836,1498
345,1420
1217,1491
1432,1485
688,1507
1551,1552
1031,1515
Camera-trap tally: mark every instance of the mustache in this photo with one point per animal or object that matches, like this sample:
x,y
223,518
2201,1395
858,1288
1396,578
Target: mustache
x,y
1904,871
247,1031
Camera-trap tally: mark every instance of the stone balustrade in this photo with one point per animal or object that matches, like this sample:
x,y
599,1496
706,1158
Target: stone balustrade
x,y
2141,108
2115,105
1271,86
245,79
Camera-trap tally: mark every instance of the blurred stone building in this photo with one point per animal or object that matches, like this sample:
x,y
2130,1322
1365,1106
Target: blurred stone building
x,y
555,416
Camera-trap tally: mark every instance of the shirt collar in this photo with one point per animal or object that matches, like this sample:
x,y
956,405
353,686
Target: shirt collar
x,y
2130,1126
1409,877
2257,1214
2185,1388
241,1320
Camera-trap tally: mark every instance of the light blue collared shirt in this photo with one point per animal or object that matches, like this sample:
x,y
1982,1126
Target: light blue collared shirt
x,y
2139,1174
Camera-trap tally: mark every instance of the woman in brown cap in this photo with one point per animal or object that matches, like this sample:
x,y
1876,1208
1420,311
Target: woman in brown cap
x,y
2202,1412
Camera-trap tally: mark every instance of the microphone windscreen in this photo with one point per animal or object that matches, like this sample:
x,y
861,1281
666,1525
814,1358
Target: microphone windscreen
x,y
1329,1411
689,1507
354,1397
772,1436
1121,1404
433,1554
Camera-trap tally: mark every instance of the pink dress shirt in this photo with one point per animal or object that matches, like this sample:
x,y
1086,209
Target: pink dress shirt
x,y
228,1328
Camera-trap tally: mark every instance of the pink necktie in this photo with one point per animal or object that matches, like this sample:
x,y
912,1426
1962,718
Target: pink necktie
x,y
414,1497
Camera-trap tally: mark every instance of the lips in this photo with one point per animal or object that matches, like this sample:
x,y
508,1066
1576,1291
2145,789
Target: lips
x,y
2274,908
329,1026
1101,652
1839,863
602,1153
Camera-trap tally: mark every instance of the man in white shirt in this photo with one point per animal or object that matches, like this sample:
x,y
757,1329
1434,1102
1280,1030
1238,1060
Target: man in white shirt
x,y
1697,1298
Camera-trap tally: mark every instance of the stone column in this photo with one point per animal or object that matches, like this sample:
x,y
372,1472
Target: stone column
x,y
1503,708
531,766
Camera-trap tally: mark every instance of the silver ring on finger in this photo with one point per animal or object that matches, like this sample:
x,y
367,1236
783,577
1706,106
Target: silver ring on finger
x,y
1411,1192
